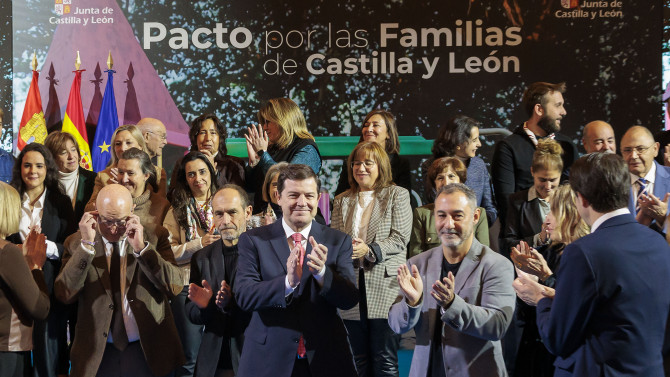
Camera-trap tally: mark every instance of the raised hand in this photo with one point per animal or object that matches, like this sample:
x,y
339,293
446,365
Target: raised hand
x,y
653,206
35,249
209,238
530,261
316,260
113,175
88,225
257,138
135,233
294,267
224,295
209,155
443,291
410,284
200,295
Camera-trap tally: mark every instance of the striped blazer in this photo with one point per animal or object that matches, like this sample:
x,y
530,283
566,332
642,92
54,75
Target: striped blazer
x,y
388,231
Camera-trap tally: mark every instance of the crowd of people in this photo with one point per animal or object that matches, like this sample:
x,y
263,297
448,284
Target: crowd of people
x,y
232,270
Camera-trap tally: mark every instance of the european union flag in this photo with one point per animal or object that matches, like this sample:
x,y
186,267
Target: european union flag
x,y
108,122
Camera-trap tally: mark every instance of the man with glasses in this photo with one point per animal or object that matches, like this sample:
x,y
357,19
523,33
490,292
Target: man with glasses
x,y
650,181
122,274
154,134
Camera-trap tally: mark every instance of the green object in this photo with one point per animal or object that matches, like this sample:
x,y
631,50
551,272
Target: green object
x,y
341,146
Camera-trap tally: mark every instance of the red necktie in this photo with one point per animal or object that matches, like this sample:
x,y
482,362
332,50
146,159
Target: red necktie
x,y
297,241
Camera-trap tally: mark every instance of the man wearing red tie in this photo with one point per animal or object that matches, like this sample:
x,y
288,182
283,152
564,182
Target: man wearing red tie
x,y
294,275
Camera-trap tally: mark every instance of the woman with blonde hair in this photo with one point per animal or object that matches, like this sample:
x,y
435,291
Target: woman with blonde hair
x,y
124,138
281,135
375,213
23,292
563,225
269,193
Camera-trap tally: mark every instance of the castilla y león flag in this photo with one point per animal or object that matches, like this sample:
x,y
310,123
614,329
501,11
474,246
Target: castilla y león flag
x,y
33,126
74,123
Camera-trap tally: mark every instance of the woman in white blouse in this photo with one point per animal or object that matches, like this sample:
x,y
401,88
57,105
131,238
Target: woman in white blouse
x,y
377,215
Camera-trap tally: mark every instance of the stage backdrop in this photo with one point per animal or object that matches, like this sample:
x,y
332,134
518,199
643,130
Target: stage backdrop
x,y
423,60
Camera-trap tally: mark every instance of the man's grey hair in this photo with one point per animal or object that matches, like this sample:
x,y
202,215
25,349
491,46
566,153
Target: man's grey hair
x,y
453,188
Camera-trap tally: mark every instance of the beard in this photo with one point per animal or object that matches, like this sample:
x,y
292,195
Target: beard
x,y
548,125
229,232
455,242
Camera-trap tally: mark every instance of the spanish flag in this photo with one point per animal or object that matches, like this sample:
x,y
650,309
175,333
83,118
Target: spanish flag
x,y
74,123
33,126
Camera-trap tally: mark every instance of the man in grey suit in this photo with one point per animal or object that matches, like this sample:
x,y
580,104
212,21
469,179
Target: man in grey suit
x,y
471,290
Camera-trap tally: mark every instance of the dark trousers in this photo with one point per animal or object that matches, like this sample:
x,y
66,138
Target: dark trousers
x,y
190,334
50,348
15,364
374,344
127,363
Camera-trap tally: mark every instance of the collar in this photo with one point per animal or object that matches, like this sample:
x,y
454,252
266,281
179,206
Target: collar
x,y
289,232
40,201
534,138
607,216
650,176
532,194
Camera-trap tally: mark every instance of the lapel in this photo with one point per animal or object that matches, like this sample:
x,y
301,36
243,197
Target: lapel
x,y
279,243
433,271
348,209
81,183
660,183
100,264
131,263
469,264
378,208
50,220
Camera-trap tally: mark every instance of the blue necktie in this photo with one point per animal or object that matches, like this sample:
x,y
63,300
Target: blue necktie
x,y
642,190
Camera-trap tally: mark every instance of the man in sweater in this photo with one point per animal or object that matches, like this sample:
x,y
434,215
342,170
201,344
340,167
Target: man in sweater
x,y
213,268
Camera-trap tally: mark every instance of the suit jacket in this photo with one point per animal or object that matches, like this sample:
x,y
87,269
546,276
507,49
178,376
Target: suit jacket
x,y
207,264
84,191
152,279
612,303
524,221
475,321
387,235
661,187
424,235
277,321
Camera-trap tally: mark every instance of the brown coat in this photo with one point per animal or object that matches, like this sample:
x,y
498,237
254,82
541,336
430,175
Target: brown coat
x,y
152,278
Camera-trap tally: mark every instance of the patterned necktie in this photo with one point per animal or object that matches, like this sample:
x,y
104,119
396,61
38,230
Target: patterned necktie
x,y
297,241
119,335
642,190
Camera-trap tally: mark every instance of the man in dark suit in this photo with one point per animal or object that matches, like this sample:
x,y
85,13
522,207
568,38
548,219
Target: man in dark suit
x,y
215,266
543,102
608,313
294,275
650,181
122,274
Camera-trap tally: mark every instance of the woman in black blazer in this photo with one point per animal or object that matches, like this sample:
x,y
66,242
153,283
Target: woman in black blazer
x,y
46,209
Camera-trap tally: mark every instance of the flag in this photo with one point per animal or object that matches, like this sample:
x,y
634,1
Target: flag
x,y
33,126
73,121
108,121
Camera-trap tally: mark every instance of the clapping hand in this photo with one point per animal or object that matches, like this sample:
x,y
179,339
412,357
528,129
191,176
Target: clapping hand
x,y
360,248
35,249
200,295
411,285
530,261
113,176
443,291
294,267
224,295
317,258
653,207
257,138
530,291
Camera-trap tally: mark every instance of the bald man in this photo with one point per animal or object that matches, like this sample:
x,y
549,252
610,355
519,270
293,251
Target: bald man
x,y
650,181
599,137
155,135
122,275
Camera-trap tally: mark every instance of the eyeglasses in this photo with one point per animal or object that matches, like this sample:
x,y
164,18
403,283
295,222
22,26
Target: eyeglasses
x,y
160,136
110,223
367,163
639,149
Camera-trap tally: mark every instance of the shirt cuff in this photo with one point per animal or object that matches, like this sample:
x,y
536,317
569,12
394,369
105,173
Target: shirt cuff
x,y
146,246
52,250
321,275
88,248
287,287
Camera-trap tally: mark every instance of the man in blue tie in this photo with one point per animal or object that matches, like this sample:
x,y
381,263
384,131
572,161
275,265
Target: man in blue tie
x,y
650,181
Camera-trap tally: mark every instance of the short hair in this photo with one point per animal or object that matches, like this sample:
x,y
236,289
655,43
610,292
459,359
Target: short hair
x,y
569,224
180,194
10,210
272,172
379,156
453,163
536,94
136,134
296,172
244,197
547,156
145,164
56,141
603,180
453,188
51,181
392,143
196,125
287,115
454,133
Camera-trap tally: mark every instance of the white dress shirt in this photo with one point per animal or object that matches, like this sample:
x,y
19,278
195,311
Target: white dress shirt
x,y
31,216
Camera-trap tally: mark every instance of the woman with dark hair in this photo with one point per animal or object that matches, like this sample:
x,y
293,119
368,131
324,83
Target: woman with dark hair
x,y
282,135
45,209
191,225
23,293
380,126
442,172
208,136
77,181
459,138
375,213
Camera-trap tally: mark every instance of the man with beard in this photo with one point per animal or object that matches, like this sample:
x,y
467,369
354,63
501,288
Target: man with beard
x,y
215,266
513,155
468,284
